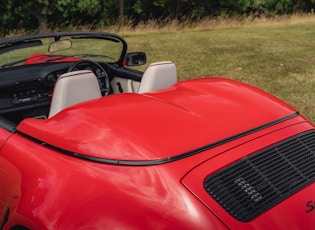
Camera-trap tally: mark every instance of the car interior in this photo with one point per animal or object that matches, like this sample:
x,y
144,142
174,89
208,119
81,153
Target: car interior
x,y
51,90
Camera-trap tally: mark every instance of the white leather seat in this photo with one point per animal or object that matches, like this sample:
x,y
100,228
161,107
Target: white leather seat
x,y
158,75
72,88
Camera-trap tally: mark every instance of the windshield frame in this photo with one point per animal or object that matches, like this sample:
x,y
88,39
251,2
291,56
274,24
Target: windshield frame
x,y
21,42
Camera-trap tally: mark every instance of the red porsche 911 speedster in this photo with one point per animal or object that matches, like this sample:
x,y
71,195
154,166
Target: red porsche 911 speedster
x,y
87,142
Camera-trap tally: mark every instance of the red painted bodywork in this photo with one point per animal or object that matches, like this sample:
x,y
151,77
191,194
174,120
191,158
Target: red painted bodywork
x,y
47,189
158,125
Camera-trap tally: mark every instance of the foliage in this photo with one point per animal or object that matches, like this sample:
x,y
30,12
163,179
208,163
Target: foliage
x,y
44,15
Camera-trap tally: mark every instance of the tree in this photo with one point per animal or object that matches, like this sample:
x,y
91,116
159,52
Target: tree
x,y
121,12
47,11
44,15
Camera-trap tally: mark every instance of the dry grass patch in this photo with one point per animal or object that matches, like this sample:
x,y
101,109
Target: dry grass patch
x,y
169,25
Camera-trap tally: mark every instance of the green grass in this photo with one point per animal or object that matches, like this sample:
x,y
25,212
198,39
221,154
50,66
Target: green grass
x,y
278,57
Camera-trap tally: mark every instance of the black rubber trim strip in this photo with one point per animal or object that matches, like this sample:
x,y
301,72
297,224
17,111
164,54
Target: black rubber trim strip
x,y
163,160
7,125
5,218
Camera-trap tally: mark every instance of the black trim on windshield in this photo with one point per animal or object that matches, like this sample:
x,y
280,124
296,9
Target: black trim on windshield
x,y
163,160
32,39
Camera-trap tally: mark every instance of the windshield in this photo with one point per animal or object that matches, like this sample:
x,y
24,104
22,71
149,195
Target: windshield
x,y
61,49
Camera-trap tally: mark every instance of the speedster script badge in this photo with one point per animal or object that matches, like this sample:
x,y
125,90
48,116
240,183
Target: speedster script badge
x,y
310,205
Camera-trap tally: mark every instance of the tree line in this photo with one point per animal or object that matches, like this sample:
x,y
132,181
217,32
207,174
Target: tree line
x,y
44,15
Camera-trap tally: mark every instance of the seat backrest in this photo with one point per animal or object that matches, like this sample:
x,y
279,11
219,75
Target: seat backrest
x,y
158,75
72,88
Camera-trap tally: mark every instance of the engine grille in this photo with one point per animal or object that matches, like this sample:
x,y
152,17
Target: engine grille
x,y
251,186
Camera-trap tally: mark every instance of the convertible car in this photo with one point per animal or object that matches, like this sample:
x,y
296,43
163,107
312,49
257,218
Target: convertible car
x,y
89,142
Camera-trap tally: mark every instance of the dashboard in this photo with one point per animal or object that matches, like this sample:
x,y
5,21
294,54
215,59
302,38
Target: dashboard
x,y
31,86
26,91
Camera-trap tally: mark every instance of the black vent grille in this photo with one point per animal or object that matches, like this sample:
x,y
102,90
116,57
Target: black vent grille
x,y
251,186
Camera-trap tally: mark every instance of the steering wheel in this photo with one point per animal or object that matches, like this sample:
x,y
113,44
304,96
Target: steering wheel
x,y
102,77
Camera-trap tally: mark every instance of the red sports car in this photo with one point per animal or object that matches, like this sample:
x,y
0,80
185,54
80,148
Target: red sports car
x,y
87,142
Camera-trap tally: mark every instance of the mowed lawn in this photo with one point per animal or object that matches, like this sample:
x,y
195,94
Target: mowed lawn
x,y
278,57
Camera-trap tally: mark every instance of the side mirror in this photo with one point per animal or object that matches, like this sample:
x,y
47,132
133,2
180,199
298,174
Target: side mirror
x,y
135,59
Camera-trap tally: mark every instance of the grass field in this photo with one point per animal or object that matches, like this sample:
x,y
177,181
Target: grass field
x,y
277,56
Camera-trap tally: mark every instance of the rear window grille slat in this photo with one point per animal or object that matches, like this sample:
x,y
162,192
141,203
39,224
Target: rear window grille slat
x,y
251,186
